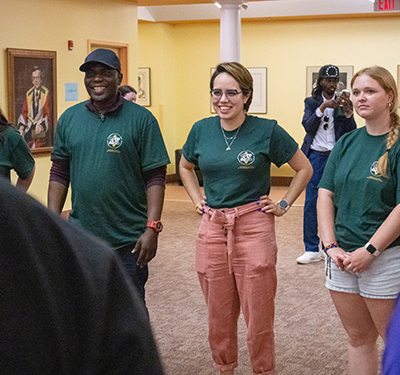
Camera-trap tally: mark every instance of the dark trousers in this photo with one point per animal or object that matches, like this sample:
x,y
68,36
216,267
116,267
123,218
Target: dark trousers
x,y
318,161
138,275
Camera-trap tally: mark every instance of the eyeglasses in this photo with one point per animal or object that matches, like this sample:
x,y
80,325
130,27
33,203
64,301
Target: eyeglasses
x,y
231,95
326,124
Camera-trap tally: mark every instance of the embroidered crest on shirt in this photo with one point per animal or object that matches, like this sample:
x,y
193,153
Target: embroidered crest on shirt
x,y
375,175
246,158
114,141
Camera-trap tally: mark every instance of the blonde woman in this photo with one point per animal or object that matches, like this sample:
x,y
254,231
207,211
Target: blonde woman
x,y
359,218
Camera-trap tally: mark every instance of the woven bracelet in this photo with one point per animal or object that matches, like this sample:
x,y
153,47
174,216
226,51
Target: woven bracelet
x,y
330,246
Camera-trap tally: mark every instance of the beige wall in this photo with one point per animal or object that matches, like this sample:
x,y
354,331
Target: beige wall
x,y
48,25
286,48
180,57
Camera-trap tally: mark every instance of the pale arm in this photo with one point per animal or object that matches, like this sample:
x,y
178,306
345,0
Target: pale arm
x,y
326,219
360,260
388,231
191,183
24,184
300,164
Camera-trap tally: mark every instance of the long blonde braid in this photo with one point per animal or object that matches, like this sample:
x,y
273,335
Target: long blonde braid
x,y
391,139
387,82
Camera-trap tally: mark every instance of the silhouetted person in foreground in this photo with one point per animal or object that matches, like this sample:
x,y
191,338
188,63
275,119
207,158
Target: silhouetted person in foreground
x,y
66,305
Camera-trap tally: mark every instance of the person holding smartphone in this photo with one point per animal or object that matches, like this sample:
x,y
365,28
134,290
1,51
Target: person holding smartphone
x,y
327,117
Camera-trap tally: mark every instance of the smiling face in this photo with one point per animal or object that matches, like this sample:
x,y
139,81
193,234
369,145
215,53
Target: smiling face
x,y
102,84
231,111
370,100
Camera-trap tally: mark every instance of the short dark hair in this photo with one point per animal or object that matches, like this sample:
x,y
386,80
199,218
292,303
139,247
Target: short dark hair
x,y
241,75
126,89
37,68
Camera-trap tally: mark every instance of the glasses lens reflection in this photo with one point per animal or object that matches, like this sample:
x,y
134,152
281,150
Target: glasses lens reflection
x,y
231,95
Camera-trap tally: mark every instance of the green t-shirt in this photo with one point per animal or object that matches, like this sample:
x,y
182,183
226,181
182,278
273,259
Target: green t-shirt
x,y
107,157
14,154
241,175
362,198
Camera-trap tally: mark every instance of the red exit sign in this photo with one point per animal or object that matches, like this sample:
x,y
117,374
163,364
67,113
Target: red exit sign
x,y
386,5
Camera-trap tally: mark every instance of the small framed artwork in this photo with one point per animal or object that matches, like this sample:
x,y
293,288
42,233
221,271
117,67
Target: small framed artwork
x,y
32,96
144,87
398,80
345,76
259,102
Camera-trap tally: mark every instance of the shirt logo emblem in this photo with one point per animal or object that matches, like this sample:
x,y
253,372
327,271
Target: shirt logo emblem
x,y
373,170
114,141
246,158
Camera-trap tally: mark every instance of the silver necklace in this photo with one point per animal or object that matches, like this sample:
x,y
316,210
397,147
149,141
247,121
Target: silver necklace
x,y
228,145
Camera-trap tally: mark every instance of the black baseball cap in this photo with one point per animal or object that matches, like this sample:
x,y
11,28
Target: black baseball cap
x,y
103,56
329,71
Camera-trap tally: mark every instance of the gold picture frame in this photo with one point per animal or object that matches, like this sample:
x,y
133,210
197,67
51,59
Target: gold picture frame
x,y
32,78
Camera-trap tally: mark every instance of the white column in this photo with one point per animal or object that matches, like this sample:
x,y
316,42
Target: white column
x,y
230,30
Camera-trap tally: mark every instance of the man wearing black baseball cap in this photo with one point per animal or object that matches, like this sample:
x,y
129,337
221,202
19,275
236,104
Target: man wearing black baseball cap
x,y
112,152
326,118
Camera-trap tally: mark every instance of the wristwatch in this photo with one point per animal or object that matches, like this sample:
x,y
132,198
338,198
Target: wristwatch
x,y
284,205
156,225
372,249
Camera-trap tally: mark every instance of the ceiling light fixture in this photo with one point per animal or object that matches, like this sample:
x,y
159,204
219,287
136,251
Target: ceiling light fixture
x,y
218,5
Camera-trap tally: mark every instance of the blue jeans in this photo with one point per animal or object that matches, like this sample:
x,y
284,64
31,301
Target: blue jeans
x,y
310,225
138,275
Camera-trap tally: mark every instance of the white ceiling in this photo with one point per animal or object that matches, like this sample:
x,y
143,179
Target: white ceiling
x,y
257,10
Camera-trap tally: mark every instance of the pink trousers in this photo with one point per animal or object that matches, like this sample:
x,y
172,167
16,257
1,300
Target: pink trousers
x,y
236,264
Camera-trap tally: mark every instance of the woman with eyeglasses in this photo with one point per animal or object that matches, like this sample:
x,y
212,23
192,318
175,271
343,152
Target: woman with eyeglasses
x,y
235,247
359,218
15,154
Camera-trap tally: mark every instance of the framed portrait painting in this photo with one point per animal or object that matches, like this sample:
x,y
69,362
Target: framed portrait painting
x,y
143,87
32,96
345,76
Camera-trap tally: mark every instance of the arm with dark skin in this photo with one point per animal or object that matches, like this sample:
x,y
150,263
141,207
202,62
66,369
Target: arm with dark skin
x,y
311,121
56,195
147,242
58,185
